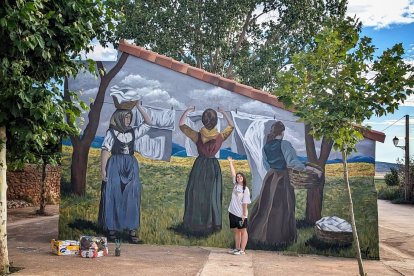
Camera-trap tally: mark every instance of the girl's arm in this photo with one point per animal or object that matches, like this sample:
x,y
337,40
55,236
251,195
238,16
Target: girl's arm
x,y
232,170
244,215
104,159
144,114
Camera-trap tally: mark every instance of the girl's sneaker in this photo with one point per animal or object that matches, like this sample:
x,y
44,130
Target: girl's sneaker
x,y
232,251
239,252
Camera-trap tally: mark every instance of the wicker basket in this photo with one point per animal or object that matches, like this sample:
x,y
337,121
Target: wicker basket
x,y
337,238
124,105
304,179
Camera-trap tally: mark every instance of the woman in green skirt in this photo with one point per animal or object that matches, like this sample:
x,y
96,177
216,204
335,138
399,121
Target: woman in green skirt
x,y
203,195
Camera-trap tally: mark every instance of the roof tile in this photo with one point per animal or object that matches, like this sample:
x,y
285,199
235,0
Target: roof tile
x,y
179,66
163,61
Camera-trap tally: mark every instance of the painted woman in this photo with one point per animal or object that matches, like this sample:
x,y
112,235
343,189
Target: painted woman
x,y
203,195
272,220
119,209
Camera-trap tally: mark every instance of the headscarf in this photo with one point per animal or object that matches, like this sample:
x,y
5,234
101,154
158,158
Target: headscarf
x,y
118,120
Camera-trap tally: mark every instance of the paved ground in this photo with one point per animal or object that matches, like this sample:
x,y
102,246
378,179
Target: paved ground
x,y
29,238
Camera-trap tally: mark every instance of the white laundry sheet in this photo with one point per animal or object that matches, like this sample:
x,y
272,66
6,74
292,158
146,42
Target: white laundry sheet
x,y
249,138
157,143
193,120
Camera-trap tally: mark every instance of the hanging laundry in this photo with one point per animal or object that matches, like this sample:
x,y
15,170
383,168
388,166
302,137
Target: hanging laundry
x,y
157,143
193,120
249,138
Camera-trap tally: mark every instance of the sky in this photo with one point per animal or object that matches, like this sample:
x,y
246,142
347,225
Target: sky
x,y
387,22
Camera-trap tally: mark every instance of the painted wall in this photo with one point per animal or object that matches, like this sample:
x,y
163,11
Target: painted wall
x,y
165,213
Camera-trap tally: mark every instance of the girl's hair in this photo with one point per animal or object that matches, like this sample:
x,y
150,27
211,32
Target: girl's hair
x,y
244,180
276,130
209,118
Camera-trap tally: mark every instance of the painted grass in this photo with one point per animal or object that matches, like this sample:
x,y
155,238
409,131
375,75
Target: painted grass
x,y
162,204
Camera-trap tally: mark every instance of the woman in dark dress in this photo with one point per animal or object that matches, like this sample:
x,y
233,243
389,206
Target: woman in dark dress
x,y
120,204
203,195
273,221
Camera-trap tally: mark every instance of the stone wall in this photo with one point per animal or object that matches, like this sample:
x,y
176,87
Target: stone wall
x,y
25,184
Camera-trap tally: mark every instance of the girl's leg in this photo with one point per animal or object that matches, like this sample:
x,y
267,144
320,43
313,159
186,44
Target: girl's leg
x,y
237,238
244,238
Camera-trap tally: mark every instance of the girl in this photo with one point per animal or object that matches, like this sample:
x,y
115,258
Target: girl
x,y
240,197
203,195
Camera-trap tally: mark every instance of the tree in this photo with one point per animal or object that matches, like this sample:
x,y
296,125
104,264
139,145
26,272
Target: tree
x,y
81,144
246,40
335,84
40,42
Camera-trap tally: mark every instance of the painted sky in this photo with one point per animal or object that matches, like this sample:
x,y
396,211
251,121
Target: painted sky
x,y
387,23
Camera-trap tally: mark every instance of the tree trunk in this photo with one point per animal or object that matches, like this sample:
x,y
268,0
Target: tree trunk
x,y
79,168
42,207
81,144
314,198
351,210
4,252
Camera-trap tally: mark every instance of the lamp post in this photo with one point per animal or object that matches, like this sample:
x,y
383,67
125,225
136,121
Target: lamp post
x,y
406,148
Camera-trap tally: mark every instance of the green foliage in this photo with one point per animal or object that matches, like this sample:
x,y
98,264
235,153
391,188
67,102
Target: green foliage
x,y
248,40
40,42
335,83
391,178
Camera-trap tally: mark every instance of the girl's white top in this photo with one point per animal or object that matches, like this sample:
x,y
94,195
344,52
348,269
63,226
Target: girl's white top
x,y
238,197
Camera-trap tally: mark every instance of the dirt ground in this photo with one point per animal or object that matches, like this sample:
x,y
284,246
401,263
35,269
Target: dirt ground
x,y
30,235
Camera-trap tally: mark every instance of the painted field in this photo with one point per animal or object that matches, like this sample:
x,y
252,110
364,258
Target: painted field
x,y
162,204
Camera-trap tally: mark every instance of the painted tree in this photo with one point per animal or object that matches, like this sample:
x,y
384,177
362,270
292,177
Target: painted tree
x,y
40,40
82,143
335,84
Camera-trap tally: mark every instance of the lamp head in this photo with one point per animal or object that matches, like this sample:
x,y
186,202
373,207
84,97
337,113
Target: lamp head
x,y
395,141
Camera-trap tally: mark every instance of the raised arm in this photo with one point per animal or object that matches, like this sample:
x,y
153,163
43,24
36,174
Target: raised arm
x,y
228,119
185,114
232,170
190,133
144,114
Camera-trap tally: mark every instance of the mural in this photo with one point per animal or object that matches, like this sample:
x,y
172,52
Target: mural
x,y
157,170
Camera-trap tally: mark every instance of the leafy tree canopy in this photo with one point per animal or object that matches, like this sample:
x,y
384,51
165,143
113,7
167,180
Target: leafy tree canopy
x,y
41,41
335,83
248,40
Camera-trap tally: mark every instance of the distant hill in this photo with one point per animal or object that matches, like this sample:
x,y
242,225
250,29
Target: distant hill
x,y
385,167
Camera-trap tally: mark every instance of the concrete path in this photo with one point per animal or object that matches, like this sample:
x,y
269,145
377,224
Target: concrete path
x,y
29,240
396,232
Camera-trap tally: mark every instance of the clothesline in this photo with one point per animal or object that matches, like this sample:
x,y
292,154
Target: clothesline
x,y
172,108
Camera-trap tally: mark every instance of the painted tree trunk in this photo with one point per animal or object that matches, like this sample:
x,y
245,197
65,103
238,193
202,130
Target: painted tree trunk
x,y
351,211
79,168
4,253
314,198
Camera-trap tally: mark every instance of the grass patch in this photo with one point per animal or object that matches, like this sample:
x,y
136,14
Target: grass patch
x,y
162,205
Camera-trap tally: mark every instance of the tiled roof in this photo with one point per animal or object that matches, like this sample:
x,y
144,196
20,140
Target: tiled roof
x,y
217,80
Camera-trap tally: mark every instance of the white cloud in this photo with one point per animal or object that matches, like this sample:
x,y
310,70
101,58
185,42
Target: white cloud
x,y
149,91
381,14
100,53
137,81
400,122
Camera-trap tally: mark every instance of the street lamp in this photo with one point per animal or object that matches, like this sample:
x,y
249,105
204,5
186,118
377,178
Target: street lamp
x,y
406,148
